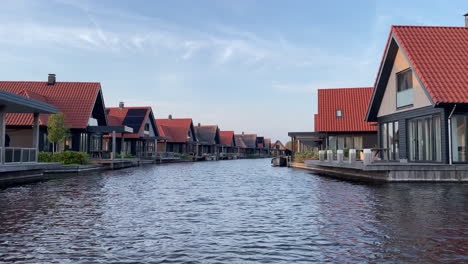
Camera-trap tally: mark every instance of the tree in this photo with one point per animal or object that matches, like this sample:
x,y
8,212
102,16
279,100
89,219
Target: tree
x,y
57,130
289,145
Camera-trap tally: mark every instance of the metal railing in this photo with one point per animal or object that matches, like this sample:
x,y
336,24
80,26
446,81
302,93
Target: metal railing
x,y
18,155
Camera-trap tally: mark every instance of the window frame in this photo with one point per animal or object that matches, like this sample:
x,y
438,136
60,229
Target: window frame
x,y
432,138
341,113
397,83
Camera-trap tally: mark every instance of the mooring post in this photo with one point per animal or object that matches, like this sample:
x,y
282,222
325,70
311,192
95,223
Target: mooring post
x,y
367,157
321,155
352,156
339,155
329,155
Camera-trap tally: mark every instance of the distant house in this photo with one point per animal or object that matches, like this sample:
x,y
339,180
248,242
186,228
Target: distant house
x,y
249,143
340,120
278,149
143,141
82,103
180,134
227,141
268,145
420,98
241,147
208,139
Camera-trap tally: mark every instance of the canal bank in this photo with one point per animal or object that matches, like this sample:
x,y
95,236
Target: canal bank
x,y
387,172
24,173
239,211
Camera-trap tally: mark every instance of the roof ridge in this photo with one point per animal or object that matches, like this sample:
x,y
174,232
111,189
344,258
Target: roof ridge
x,y
344,88
416,26
44,82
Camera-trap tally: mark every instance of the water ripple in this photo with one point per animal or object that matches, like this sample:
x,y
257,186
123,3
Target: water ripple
x,y
230,212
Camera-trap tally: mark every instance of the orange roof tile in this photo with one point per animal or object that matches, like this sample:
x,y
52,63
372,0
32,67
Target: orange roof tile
x,y
353,104
75,99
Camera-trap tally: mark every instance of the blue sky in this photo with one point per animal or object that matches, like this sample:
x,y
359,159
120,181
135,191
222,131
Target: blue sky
x,y
252,66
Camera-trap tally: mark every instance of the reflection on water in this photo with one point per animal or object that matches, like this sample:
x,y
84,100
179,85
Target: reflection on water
x,y
230,211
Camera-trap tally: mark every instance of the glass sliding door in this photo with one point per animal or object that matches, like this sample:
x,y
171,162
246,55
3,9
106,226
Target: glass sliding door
x,y
389,141
458,138
437,139
424,139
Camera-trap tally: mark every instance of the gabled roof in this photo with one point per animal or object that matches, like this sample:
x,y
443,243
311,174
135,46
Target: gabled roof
x,y
438,56
207,135
250,140
133,117
239,141
279,144
75,99
177,129
353,104
227,138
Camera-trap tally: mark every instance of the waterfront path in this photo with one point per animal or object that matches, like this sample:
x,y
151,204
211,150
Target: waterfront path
x,y
236,211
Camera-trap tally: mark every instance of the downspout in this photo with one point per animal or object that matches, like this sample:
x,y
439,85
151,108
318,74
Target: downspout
x,y
450,134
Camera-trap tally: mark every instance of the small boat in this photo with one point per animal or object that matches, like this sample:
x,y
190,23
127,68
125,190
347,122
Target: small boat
x,y
279,162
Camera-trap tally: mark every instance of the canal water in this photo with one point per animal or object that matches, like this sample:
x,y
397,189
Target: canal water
x,y
240,211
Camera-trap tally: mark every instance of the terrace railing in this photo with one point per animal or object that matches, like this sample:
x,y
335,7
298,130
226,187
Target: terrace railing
x,y
18,155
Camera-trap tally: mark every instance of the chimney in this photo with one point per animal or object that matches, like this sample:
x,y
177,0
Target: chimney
x,y
121,105
466,19
51,79
199,124
170,117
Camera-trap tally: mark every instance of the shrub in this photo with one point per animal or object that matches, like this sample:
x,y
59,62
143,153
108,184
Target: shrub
x,y
66,157
46,157
301,157
185,156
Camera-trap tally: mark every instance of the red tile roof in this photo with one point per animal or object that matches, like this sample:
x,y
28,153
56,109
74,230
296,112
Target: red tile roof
x,y
439,56
279,144
177,129
226,138
116,117
353,104
75,99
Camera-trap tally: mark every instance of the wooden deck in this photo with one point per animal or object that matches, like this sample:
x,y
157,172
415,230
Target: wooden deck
x,y
389,171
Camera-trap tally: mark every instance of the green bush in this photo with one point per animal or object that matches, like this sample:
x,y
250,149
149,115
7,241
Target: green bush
x,y
65,157
185,156
301,157
46,157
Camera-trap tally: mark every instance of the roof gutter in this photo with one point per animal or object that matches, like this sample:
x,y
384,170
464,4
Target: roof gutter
x,y
450,134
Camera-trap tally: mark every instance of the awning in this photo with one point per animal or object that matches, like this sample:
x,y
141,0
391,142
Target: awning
x,y
110,129
13,103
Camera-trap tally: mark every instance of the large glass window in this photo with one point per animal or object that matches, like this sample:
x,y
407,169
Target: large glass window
x,y
84,142
358,143
404,88
424,139
332,142
390,142
349,142
458,138
341,142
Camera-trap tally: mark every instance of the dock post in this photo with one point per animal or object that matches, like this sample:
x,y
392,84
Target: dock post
x,y
339,155
367,157
321,155
352,156
329,155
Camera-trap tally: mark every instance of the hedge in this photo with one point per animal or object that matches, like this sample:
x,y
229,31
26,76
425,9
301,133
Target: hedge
x,y
65,157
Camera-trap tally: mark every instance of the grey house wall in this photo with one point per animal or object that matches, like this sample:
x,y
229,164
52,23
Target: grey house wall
x,y
404,117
